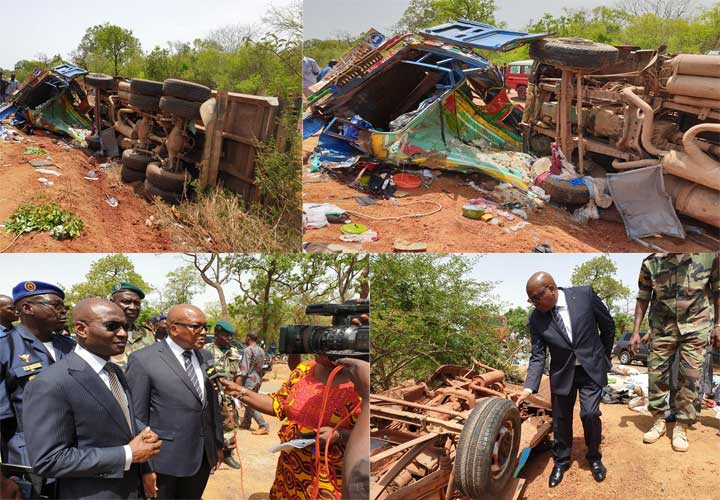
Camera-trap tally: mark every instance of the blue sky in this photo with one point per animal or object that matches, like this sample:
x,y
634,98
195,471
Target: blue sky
x,y
324,18
511,272
56,27
68,269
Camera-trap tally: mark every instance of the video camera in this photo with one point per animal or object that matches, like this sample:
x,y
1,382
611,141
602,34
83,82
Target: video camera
x,y
341,340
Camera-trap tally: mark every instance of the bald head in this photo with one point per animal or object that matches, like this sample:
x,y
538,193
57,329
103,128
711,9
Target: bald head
x,y
100,327
542,291
8,313
186,326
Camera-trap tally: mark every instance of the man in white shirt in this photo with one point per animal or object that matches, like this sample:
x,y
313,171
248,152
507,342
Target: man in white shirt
x,y
79,421
12,86
311,70
566,321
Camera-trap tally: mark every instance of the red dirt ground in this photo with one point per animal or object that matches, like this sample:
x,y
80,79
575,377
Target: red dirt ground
x,y
448,231
635,470
107,229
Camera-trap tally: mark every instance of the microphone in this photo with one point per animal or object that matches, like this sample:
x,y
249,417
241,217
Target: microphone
x,y
215,376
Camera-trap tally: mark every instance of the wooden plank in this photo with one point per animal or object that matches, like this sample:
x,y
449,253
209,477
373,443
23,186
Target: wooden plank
x,y
237,138
404,446
214,143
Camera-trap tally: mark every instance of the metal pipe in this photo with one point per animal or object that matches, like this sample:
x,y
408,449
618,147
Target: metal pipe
x,y
628,165
696,64
694,164
696,101
648,121
695,86
699,202
578,112
491,377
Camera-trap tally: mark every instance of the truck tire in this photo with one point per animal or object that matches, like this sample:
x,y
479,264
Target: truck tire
x,y
573,52
151,192
188,91
566,191
146,87
165,180
180,107
136,160
521,92
128,175
146,103
100,81
487,451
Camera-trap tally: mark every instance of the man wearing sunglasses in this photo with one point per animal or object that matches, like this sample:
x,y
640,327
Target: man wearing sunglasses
x,y
566,322
81,427
129,298
173,394
25,352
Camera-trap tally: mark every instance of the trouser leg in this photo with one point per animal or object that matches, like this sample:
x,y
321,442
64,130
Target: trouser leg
x,y
590,396
663,345
692,347
562,410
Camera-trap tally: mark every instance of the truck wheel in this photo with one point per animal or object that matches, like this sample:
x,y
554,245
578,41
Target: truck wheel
x,y
146,87
573,52
146,103
521,92
180,107
129,175
100,81
487,451
151,192
136,160
625,358
188,91
168,181
566,191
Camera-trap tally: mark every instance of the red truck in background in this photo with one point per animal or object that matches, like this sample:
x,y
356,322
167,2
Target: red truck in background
x,y
516,77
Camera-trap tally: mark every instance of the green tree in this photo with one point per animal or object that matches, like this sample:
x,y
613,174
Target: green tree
x,y
181,285
600,273
517,322
107,45
103,274
426,312
422,14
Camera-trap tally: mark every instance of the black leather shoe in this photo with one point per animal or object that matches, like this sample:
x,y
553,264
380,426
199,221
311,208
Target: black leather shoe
x,y
556,476
598,470
231,462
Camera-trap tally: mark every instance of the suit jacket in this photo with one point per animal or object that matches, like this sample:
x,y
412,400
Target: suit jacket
x,y
165,398
75,432
587,314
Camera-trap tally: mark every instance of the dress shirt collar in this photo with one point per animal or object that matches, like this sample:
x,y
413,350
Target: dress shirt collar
x,y
175,348
96,362
561,301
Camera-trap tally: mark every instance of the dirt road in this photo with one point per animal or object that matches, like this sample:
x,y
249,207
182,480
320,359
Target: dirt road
x,y
635,470
125,228
448,231
258,464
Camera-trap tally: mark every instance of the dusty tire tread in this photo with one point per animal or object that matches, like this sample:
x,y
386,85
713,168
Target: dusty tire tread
x,y
188,91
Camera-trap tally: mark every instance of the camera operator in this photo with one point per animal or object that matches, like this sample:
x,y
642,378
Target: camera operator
x,y
298,404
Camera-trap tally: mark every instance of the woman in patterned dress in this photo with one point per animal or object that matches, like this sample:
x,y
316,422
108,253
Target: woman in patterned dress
x,y
298,403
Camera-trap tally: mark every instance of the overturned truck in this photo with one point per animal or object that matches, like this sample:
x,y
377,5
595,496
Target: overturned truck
x,y
455,435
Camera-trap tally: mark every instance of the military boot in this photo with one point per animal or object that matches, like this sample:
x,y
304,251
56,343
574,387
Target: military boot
x,y
679,439
656,432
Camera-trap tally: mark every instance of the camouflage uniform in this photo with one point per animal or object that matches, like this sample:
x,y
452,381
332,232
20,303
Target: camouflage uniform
x,y
139,336
227,361
681,289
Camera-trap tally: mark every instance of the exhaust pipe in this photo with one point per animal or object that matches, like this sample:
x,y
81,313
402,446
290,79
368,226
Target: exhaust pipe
x,y
694,165
694,200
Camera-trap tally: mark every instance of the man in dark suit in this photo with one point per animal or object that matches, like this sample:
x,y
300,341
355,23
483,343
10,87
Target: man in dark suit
x,y
79,419
171,391
566,321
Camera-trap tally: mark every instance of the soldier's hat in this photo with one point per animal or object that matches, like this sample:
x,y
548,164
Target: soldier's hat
x,y
124,286
157,318
30,288
225,326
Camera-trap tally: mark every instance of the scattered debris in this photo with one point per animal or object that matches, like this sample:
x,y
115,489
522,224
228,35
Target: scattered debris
x,y
48,172
407,246
34,150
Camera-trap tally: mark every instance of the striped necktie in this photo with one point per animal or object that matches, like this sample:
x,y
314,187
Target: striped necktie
x,y
558,319
118,392
191,373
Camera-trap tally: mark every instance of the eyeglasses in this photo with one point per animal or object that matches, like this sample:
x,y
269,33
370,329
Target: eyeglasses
x,y
193,326
113,326
57,305
534,299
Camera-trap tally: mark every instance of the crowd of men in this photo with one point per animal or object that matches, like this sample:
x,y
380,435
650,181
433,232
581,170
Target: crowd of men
x,y
117,409
7,87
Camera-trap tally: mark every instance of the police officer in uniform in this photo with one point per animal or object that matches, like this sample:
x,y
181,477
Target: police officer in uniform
x,y
8,313
129,298
227,359
27,350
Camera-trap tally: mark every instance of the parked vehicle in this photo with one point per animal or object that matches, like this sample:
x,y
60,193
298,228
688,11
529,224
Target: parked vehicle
x,y
622,350
267,363
516,77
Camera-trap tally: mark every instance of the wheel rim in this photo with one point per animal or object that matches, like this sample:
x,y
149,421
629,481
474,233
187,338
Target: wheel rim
x,y
502,450
624,358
